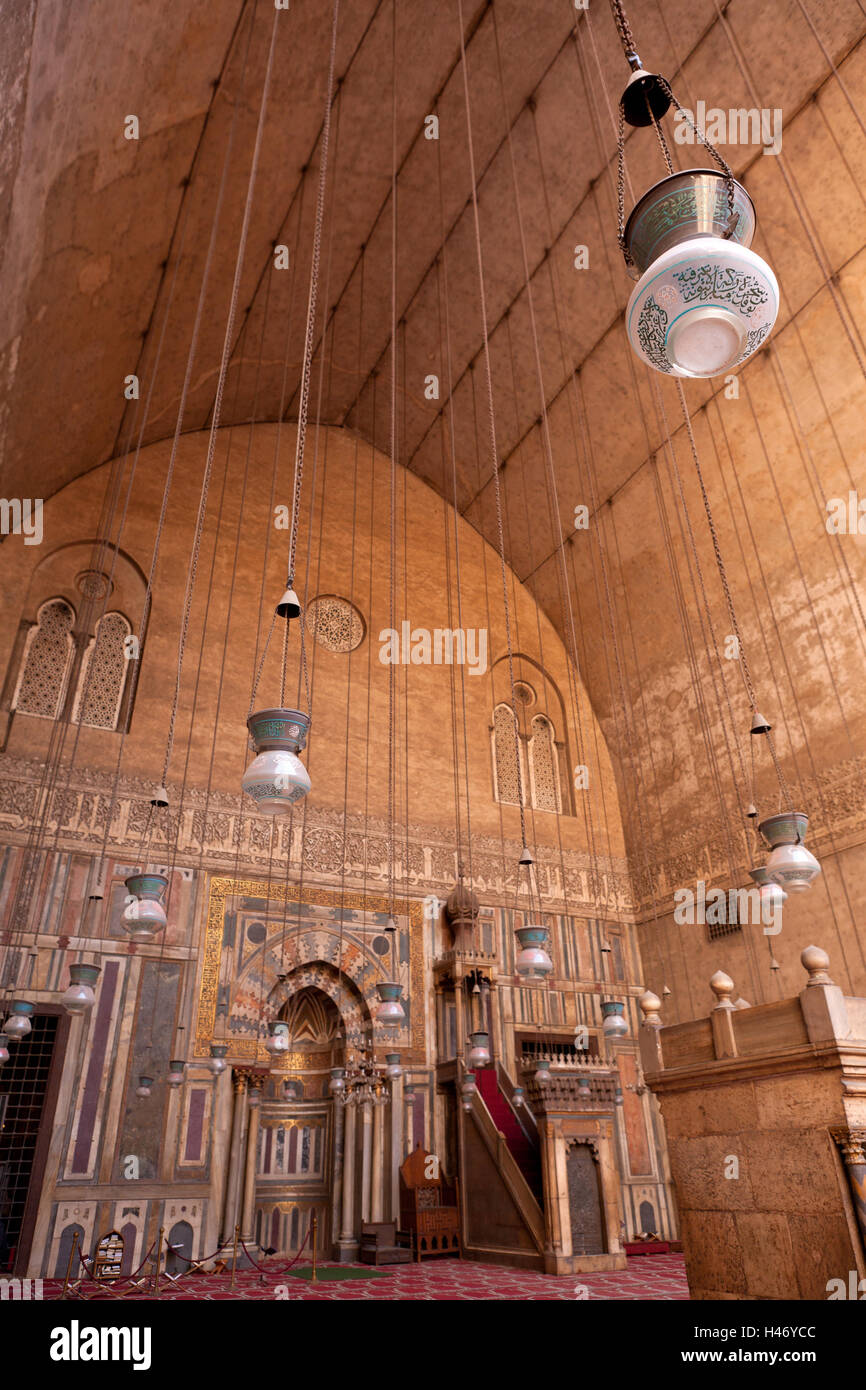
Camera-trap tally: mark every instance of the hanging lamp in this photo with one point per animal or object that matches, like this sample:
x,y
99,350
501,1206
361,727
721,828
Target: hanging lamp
x,y
393,1069
390,1012
176,1071
791,864
542,1073
771,894
144,1087
533,961
79,997
479,1050
218,1063
144,915
276,778
614,1024
468,1091
704,301
17,1025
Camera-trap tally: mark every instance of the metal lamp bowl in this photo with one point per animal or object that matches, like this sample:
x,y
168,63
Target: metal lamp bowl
x,y
285,729
689,204
787,828
147,885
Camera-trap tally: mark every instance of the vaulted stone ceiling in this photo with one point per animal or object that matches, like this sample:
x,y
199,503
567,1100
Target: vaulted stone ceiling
x,y
107,240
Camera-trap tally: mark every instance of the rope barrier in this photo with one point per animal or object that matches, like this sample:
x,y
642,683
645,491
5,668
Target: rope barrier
x,y
272,1269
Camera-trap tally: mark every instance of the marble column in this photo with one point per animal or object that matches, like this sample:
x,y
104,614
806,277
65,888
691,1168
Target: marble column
x,y
409,1109
248,1217
366,1146
376,1178
396,1147
348,1244
239,1086
337,1184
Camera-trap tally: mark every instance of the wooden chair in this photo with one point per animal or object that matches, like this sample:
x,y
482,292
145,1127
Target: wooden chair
x,y
380,1244
429,1208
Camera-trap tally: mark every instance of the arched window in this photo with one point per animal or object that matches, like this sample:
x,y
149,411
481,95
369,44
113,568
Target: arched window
x,y
47,662
505,755
104,670
543,765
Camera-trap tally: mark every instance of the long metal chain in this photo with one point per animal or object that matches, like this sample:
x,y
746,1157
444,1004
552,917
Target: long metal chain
x,y
304,403
228,341
623,28
494,457
720,565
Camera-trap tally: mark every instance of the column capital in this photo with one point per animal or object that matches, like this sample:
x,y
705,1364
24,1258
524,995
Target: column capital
x,y
852,1142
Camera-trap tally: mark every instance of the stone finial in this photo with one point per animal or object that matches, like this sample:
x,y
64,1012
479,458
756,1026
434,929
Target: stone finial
x,y
816,961
650,1004
723,987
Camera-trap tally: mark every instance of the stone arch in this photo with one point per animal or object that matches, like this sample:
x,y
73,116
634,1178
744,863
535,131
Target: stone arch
x,y
348,975
351,1003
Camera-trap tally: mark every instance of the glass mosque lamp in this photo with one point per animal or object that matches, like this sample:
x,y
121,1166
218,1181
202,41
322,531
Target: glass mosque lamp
x,y
542,1073
467,1091
144,914
390,1012
176,1069
771,894
790,864
614,1024
393,1069
276,778
79,997
517,1097
277,1041
337,1083
704,302
17,1025
479,1050
218,1061
532,961
144,1087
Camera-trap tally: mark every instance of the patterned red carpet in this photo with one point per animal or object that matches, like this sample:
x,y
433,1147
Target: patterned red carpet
x,y
647,1277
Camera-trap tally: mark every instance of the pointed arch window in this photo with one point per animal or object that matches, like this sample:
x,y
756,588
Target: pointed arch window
x,y
104,670
506,750
47,661
543,765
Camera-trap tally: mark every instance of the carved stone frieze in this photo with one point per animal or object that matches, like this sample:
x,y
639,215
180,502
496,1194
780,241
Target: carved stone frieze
x,y
218,834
